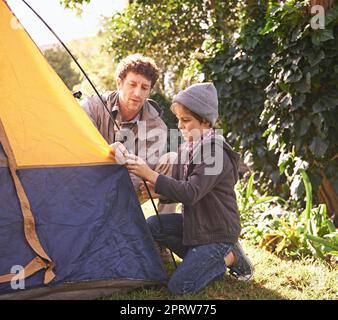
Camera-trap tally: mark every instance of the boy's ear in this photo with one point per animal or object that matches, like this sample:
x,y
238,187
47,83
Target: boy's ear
x,y
207,122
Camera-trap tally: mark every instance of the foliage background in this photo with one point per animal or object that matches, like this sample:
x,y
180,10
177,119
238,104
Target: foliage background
x,y
277,79
61,62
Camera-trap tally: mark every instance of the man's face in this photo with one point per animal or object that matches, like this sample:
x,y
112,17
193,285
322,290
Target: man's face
x,y
133,92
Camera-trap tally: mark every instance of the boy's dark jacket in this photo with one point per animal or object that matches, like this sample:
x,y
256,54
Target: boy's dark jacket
x,y
210,207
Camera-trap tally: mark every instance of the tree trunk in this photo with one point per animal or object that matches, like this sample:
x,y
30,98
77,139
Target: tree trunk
x,y
325,3
327,195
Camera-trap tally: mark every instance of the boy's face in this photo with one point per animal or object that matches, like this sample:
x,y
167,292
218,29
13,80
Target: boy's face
x,y
190,127
134,89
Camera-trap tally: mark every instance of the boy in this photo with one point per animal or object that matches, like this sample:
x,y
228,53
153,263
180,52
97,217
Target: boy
x,y
206,234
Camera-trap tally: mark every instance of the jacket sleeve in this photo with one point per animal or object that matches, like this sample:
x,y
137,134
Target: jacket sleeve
x,y
187,192
201,181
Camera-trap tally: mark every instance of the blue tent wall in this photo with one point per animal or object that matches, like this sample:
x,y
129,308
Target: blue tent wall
x,y
88,220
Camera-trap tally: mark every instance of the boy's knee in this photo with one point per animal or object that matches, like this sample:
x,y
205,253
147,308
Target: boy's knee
x,y
178,286
153,224
175,286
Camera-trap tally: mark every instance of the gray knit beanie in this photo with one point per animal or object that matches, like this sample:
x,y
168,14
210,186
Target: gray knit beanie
x,y
200,98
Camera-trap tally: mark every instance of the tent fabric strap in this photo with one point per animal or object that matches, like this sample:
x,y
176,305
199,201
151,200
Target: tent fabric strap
x,y
29,221
31,268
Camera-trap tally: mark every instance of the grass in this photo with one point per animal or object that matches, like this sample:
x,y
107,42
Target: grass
x,y
274,279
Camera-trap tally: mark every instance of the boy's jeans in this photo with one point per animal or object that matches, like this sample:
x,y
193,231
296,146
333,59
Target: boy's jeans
x,y
201,264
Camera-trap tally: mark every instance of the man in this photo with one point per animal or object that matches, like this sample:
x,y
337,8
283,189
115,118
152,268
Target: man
x,y
141,128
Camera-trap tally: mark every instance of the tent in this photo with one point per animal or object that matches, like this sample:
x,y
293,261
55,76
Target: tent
x,y
70,222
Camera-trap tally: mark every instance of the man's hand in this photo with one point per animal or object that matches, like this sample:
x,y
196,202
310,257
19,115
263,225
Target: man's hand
x,y
119,152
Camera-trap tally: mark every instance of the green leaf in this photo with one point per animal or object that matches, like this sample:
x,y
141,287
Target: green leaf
x,y
322,35
286,101
324,104
315,249
323,242
217,67
304,126
269,27
249,190
283,161
331,226
293,77
281,245
267,132
268,199
318,121
298,100
272,141
296,60
303,86
318,147
314,57
308,190
331,15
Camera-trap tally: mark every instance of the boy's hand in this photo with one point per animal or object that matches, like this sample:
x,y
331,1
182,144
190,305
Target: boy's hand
x,y
138,166
119,152
151,188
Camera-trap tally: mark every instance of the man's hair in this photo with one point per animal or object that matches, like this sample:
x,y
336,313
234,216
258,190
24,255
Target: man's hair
x,y
138,64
